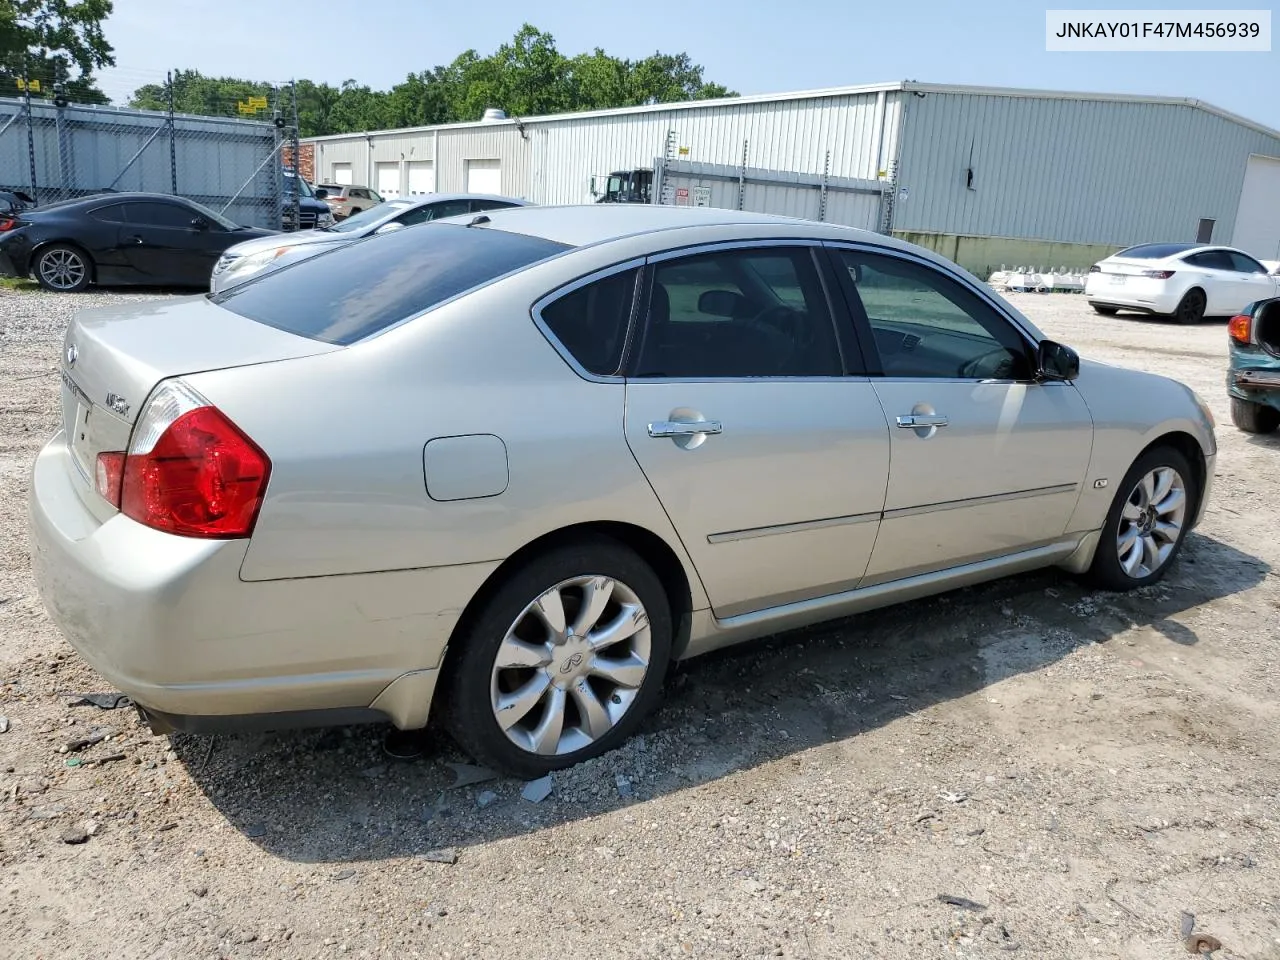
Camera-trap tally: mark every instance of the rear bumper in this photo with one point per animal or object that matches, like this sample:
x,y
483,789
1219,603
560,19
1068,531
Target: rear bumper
x,y
168,621
1140,294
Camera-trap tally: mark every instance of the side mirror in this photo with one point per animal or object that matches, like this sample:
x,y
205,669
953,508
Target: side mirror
x,y
721,303
391,227
199,223
321,193
1056,361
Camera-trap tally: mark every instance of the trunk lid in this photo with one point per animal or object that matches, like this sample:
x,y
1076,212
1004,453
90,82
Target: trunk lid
x,y
112,358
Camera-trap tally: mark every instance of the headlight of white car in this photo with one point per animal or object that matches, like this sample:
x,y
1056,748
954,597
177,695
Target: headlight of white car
x,y
255,262
224,261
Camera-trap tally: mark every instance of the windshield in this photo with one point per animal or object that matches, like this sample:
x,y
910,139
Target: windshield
x,y
371,217
361,288
292,183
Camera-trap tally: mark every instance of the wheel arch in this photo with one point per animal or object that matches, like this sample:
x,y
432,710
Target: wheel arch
x,y
650,547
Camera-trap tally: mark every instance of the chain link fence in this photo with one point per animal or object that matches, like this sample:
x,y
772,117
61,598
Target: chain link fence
x,y
52,150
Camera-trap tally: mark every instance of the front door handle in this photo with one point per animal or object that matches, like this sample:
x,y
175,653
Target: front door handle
x,y
683,428
916,420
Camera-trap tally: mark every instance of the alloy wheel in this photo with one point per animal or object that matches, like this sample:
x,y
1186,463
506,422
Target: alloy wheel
x,y
1151,522
571,665
62,269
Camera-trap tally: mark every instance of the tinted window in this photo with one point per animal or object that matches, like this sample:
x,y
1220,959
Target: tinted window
x,y
1211,260
344,295
591,322
159,215
490,204
448,208
1155,251
924,324
757,312
112,213
1246,264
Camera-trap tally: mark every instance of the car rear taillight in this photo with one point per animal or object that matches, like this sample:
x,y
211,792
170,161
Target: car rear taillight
x,y
1240,329
189,470
1158,274
109,473
10,223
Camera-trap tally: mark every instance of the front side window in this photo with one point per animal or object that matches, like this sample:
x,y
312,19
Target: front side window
x,y
754,312
924,324
591,321
1246,264
160,215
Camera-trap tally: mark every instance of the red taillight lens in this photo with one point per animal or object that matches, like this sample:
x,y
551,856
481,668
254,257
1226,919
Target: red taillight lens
x,y
9,223
202,478
1240,328
109,474
1158,274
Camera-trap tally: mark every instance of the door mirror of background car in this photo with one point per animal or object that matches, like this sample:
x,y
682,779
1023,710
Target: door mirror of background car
x,y
390,227
322,193
199,223
722,303
1056,361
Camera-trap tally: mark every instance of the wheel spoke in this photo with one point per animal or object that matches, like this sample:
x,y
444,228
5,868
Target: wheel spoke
x,y
1172,501
513,707
1131,511
550,610
1150,553
595,597
1148,488
515,653
631,619
628,672
546,735
1163,484
1132,556
1168,532
1127,540
595,719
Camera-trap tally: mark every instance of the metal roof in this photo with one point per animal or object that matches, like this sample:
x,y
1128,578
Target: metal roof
x,y
907,86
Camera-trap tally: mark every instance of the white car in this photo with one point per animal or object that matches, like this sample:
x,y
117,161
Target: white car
x,y
247,260
1186,281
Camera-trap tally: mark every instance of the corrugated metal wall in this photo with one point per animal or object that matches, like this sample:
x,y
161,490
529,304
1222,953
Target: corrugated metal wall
x,y
791,135
1074,170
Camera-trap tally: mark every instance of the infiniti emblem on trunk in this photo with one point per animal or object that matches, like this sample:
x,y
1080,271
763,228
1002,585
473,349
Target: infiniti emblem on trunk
x,y
72,353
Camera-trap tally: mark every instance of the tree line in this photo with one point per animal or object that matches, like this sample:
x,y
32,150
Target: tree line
x,y
61,43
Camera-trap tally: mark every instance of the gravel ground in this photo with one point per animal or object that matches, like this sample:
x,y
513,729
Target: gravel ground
x,y
1026,766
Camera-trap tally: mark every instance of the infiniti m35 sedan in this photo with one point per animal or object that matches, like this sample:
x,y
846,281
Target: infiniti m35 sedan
x,y
513,465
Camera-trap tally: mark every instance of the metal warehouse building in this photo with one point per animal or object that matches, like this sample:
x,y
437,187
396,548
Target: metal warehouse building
x,y
983,175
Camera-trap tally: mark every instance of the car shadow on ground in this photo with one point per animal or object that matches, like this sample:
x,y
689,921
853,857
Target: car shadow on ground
x,y
334,796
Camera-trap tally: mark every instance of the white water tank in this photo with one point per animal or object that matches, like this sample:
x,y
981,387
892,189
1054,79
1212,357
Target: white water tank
x,y
492,114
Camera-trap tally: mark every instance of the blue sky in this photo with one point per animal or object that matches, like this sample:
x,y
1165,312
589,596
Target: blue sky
x,y
750,47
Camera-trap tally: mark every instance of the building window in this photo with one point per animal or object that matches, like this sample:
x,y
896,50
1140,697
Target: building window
x,y
1204,232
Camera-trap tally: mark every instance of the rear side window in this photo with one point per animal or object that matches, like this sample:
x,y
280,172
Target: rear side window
x,y
350,293
591,322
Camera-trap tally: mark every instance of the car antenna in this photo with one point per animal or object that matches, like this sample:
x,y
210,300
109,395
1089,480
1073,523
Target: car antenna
x,y
476,221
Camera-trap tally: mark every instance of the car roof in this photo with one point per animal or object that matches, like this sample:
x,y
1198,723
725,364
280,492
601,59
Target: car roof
x,y
580,225
1165,251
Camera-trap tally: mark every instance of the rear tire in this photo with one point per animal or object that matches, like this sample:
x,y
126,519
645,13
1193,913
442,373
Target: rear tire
x,y
63,268
1105,311
524,697
1254,417
1143,534
1190,308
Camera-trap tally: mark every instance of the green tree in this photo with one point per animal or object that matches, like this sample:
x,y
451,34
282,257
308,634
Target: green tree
x,y
54,41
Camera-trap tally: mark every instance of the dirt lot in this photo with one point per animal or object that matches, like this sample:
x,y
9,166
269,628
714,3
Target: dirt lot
x,y
1079,767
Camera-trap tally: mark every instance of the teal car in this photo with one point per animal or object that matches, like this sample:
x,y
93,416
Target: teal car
x,y
1253,376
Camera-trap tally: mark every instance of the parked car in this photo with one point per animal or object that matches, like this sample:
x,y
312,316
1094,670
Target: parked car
x,y
520,465
1185,281
116,239
313,212
252,258
1253,372
346,200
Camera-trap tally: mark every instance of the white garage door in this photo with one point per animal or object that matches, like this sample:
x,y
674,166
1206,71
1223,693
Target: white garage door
x,y
387,178
422,177
342,173
1258,219
484,176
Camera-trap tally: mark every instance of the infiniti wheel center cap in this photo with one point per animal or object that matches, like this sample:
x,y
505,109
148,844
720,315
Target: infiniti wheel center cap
x,y
570,661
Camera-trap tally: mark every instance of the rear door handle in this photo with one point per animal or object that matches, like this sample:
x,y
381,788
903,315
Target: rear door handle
x,y
915,420
683,428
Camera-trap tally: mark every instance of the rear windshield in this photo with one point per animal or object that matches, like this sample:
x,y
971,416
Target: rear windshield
x,y
1155,251
358,289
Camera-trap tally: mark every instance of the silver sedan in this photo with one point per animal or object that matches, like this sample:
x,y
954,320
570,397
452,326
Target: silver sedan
x,y
515,467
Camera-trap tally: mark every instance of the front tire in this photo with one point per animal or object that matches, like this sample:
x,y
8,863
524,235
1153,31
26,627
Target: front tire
x,y
1105,311
63,268
563,662
1254,417
1147,522
1190,308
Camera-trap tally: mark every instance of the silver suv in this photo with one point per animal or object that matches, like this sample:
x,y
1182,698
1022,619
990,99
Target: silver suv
x,y
346,199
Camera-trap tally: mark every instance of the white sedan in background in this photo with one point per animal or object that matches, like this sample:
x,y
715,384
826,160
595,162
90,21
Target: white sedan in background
x,y
1186,281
